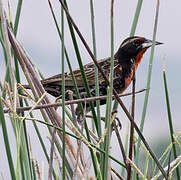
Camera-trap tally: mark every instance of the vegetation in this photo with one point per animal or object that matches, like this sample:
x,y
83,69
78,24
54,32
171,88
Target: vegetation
x,y
77,150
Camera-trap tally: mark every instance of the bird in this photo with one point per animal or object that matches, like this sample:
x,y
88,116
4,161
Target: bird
x,y
127,57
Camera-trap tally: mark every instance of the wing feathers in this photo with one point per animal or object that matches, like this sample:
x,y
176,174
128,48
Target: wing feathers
x,y
89,72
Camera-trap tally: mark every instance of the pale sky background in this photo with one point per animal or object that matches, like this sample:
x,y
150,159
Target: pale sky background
x,y
39,37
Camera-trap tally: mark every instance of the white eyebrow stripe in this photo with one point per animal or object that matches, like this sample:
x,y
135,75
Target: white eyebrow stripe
x,y
129,41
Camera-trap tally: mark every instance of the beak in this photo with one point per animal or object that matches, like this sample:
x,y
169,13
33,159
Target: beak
x,y
148,43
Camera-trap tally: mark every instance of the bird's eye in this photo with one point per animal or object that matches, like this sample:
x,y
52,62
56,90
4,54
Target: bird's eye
x,y
136,43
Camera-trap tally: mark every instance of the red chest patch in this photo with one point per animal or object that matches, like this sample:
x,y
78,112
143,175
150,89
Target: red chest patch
x,y
129,78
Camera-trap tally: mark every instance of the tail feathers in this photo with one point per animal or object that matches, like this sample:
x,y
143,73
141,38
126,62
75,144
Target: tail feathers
x,y
53,90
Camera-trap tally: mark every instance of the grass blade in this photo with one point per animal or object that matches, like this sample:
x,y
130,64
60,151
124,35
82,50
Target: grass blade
x,y
63,97
170,121
136,16
86,87
95,67
106,170
82,72
17,17
6,142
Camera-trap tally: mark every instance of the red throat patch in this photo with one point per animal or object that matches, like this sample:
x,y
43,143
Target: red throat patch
x,y
140,55
138,60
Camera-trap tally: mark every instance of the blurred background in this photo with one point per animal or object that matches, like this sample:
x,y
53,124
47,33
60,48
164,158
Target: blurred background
x,y
38,35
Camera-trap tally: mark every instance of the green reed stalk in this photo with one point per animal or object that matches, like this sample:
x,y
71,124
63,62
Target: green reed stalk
x,y
106,170
170,121
95,67
63,98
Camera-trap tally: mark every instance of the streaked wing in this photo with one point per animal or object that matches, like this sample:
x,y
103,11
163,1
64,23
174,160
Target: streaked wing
x,y
89,72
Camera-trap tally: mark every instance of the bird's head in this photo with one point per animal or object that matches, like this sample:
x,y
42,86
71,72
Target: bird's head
x,y
133,48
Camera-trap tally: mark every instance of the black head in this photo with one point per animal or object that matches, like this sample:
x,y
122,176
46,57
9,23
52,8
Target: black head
x,y
132,46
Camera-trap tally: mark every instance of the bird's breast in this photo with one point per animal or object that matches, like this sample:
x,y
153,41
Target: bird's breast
x,y
123,77
129,78
140,55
